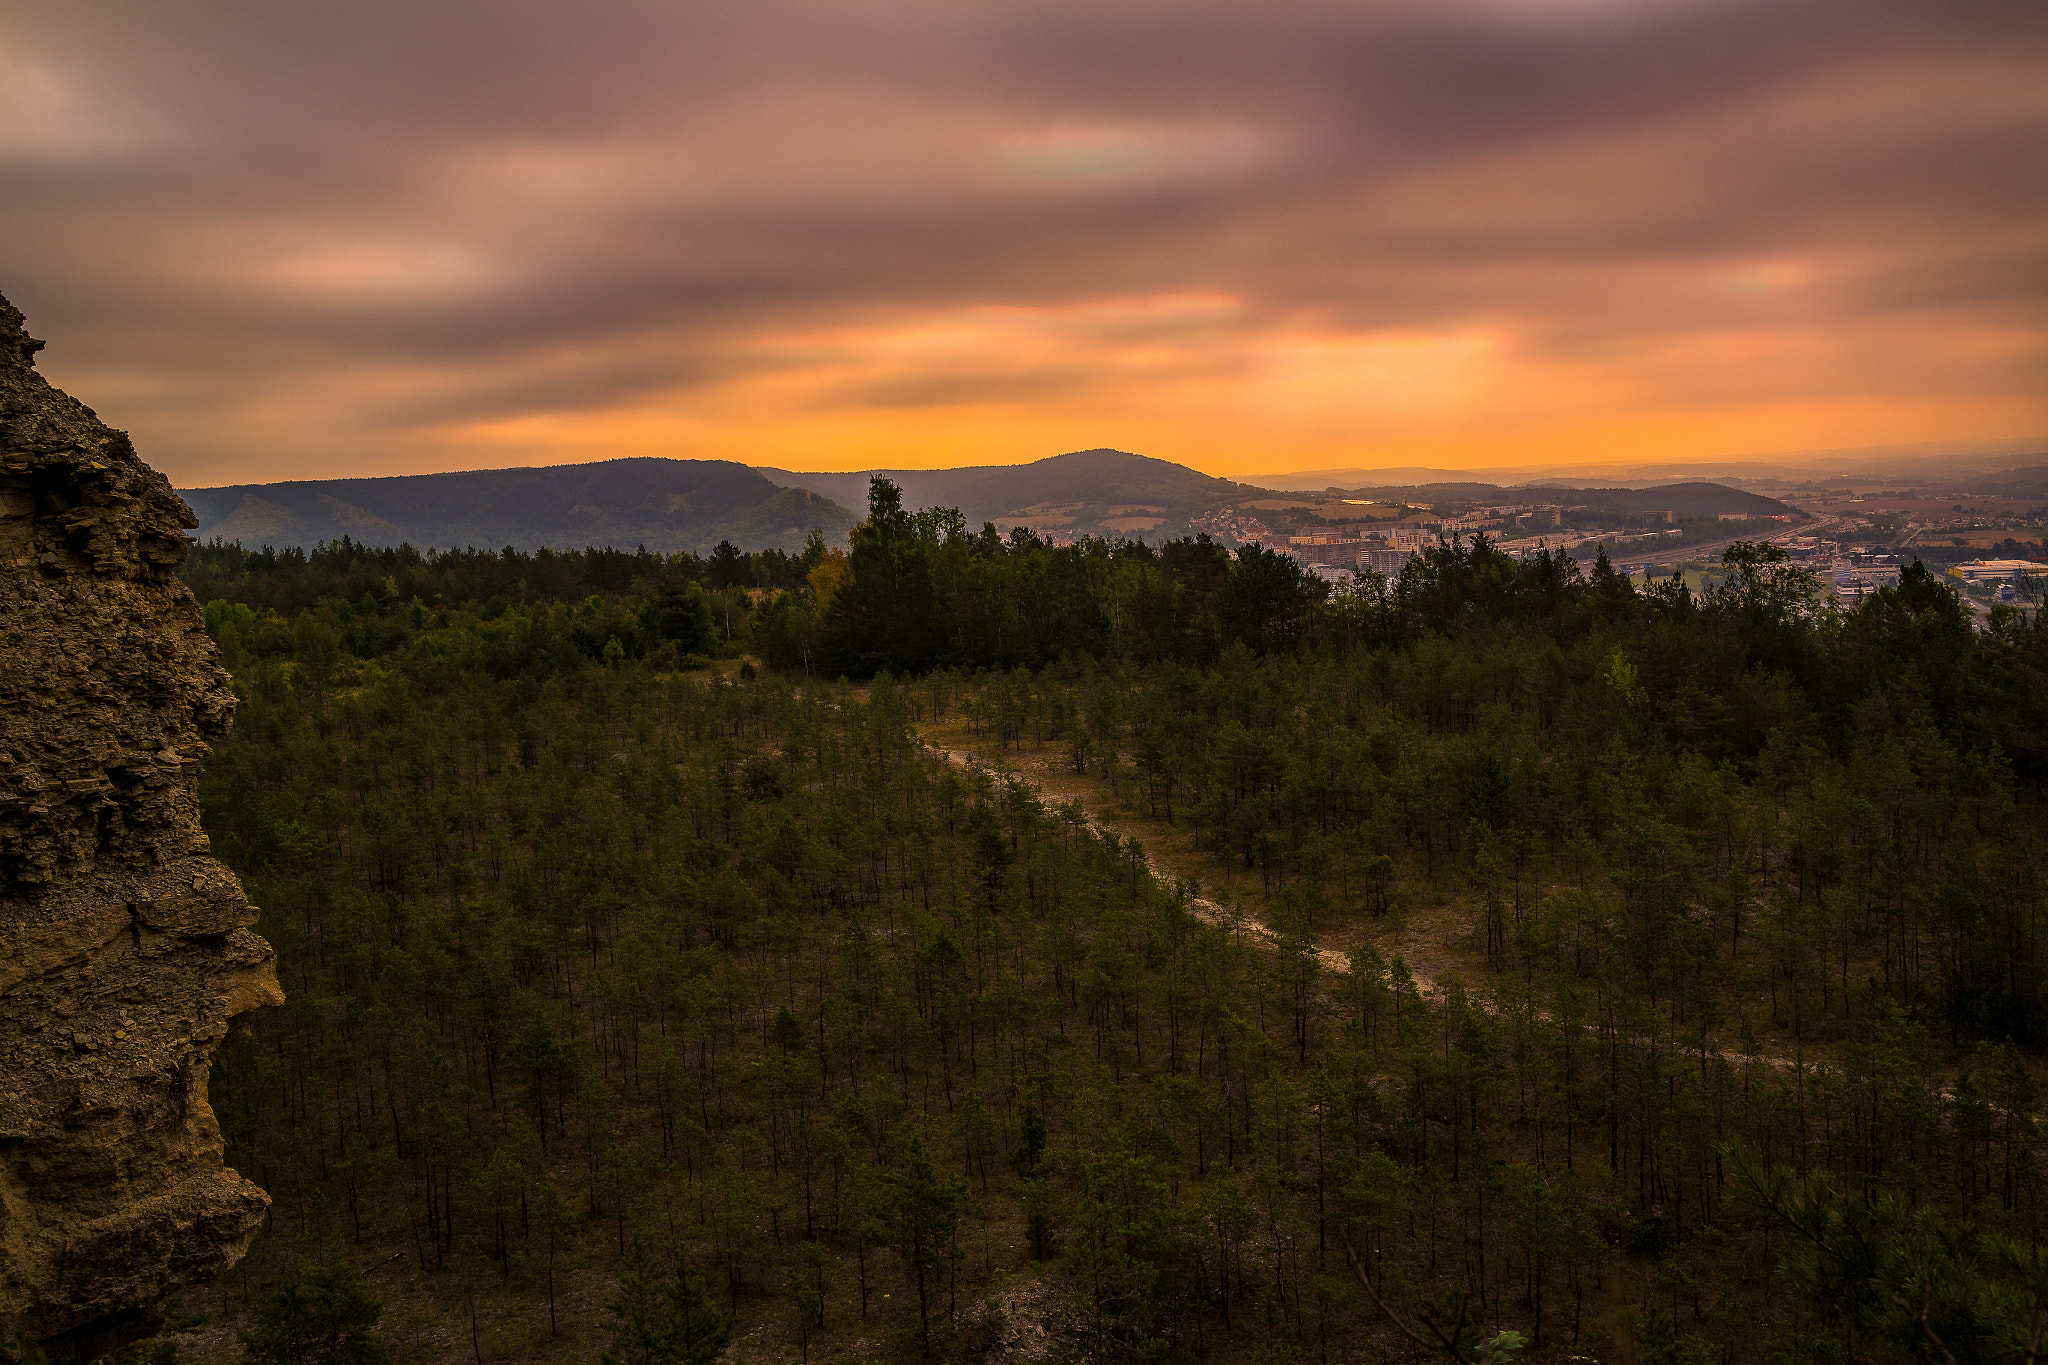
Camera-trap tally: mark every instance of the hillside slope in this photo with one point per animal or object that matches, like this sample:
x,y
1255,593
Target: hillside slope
x,y
2029,482
666,505
1083,490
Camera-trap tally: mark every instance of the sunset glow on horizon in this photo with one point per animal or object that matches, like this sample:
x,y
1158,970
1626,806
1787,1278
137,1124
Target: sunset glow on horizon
x,y
1468,236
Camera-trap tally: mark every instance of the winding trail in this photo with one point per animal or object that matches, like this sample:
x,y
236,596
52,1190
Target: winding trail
x,y
1237,921
1204,909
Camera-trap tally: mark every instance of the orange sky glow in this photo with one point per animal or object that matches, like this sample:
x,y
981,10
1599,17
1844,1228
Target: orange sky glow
x,y
1477,234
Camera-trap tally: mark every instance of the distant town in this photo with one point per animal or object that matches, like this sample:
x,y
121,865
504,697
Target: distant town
x,y
1855,545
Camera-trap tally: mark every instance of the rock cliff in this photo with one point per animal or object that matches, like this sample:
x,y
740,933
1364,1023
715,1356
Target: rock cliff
x,y
125,951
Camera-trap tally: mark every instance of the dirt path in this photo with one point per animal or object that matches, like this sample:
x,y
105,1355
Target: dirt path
x,y
1425,940
1204,909
1421,939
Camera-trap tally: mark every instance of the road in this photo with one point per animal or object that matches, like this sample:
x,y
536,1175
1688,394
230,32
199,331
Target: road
x,y
1819,527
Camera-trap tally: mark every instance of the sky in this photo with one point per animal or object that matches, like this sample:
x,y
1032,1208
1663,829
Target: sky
x,y
306,241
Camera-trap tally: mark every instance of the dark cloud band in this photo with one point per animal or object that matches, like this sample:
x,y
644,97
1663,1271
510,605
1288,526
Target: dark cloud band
x,y
541,209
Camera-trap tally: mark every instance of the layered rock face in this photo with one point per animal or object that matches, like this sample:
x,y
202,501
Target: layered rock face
x,y
125,952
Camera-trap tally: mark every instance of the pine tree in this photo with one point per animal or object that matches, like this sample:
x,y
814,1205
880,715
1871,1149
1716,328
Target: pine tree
x,y
321,1313
662,1315
920,1210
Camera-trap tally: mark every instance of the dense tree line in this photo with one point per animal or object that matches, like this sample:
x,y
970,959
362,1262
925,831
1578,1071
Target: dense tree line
x,y
918,591
645,600
599,963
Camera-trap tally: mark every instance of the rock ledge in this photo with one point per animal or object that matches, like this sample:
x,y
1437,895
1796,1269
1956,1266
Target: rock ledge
x,y
125,952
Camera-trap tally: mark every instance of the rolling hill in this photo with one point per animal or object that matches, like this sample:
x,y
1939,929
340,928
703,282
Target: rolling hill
x,y
2029,482
666,505
1084,490
672,505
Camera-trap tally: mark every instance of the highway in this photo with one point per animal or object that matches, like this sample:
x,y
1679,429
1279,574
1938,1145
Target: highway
x,y
1820,526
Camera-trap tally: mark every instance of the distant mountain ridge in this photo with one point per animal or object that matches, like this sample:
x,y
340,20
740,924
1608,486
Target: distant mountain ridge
x,y
1100,490
666,505
669,505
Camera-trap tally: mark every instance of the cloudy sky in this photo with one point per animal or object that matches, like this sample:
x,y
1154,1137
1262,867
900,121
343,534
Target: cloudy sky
x,y
289,241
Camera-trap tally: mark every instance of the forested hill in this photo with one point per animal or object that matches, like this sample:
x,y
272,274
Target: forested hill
x,y
1084,490
2029,482
1581,971
665,505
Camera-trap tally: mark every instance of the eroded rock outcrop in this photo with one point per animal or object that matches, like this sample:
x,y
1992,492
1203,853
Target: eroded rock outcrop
x,y
125,951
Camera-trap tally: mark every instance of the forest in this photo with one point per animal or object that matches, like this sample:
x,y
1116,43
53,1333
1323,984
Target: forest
x,y
1548,969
